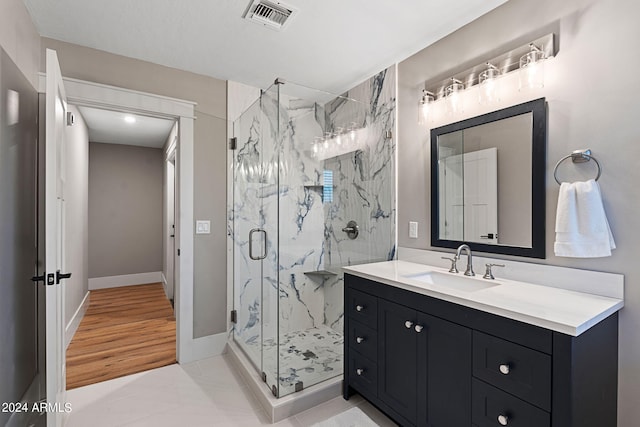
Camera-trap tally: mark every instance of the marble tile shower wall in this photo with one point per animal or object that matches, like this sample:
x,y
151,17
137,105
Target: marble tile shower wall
x,y
310,236
365,188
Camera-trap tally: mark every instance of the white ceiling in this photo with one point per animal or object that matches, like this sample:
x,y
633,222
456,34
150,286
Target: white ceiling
x,y
329,44
110,127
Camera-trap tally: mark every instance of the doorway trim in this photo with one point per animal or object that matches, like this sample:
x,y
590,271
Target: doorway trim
x,y
84,93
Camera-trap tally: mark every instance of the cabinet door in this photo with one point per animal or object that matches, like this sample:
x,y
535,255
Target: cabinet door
x,y
397,358
444,373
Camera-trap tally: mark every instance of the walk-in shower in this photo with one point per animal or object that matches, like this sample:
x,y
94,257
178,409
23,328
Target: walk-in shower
x,y
313,190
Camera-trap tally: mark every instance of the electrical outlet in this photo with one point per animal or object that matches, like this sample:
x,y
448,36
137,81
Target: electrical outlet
x,y
413,229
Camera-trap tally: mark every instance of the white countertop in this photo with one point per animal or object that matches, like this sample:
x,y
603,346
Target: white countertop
x,y
560,310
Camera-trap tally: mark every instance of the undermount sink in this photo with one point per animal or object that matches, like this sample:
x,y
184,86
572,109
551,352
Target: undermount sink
x,y
451,281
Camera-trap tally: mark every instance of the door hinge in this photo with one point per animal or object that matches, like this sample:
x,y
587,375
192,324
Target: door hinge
x,y
234,316
51,279
264,377
233,143
178,252
388,134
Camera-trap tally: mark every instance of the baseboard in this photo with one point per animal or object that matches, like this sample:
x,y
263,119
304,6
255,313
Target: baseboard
x,y
73,324
125,280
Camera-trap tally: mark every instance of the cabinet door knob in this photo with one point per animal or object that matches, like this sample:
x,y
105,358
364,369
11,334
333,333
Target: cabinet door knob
x,y
503,420
419,328
359,308
505,368
359,371
359,339
408,324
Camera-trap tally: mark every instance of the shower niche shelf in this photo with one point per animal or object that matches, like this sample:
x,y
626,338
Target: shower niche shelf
x,y
320,273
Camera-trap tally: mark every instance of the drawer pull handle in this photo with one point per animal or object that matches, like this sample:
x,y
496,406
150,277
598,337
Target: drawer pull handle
x,y
408,324
503,420
359,371
505,369
419,328
359,340
359,308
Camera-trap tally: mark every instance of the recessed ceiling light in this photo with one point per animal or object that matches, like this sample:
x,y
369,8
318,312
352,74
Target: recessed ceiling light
x,y
129,119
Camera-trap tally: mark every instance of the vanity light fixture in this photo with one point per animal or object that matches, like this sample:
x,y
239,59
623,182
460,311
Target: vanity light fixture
x,y
532,68
488,84
528,59
425,105
452,94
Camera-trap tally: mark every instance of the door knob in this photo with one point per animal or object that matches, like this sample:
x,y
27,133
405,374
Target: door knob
x,y
408,324
39,278
359,339
359,308
505,368
419,328
503,420
60,276
359,371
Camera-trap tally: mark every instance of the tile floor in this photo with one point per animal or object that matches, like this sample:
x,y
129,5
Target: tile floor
x,y
204,393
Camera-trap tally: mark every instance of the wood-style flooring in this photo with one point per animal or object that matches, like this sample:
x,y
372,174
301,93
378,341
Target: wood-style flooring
x,y
125,330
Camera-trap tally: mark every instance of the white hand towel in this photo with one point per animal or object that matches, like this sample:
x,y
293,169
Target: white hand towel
x,y
582,229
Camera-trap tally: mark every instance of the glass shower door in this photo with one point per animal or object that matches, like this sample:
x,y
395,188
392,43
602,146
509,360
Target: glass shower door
x,y
255,258
247,204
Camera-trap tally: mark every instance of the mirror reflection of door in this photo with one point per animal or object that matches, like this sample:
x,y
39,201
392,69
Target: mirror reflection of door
x,y
469,195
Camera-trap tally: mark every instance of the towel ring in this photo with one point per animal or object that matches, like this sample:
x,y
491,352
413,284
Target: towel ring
x,y
578,156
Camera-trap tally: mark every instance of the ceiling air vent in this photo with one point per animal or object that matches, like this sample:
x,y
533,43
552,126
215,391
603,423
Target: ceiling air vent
x,y
271,14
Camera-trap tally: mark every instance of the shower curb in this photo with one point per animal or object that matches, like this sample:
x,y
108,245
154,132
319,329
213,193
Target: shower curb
x,y
287,406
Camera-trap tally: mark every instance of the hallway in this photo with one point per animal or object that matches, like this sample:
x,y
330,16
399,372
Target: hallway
x,y
124,331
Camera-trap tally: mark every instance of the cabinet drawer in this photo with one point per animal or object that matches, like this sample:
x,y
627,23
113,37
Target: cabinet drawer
x,y
363,374
363,308
494,408
518,370
364,340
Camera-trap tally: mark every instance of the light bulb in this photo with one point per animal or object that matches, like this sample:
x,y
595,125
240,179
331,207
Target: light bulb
x,y
452,93
488,84
424,107
532,69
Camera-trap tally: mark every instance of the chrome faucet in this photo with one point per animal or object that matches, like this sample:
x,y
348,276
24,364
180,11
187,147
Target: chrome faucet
x,y
469,270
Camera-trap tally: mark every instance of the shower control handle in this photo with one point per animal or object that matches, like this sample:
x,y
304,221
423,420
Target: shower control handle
x,y
264,244
352,229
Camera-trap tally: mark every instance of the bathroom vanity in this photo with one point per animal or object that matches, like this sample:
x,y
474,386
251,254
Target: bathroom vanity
x,y
429,349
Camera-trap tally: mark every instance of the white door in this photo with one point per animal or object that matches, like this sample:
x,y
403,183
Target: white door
x,y
481,196
55,116
452,197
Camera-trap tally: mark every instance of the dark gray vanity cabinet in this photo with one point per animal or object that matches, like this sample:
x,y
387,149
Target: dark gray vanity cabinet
x,y
427,362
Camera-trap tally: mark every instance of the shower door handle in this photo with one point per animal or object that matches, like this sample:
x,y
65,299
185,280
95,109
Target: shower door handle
x,y
264,244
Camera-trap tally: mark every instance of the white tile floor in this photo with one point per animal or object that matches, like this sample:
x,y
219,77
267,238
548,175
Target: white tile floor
x,y
204,393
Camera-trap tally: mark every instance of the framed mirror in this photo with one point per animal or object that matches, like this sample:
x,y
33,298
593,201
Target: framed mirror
x,y
488,182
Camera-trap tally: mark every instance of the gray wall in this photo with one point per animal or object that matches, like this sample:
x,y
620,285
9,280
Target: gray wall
x,y
591,89
76,213
210,153
20,39
125,209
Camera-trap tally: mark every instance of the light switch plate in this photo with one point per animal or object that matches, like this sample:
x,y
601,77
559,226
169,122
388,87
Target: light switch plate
x,y
413,229
203,227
